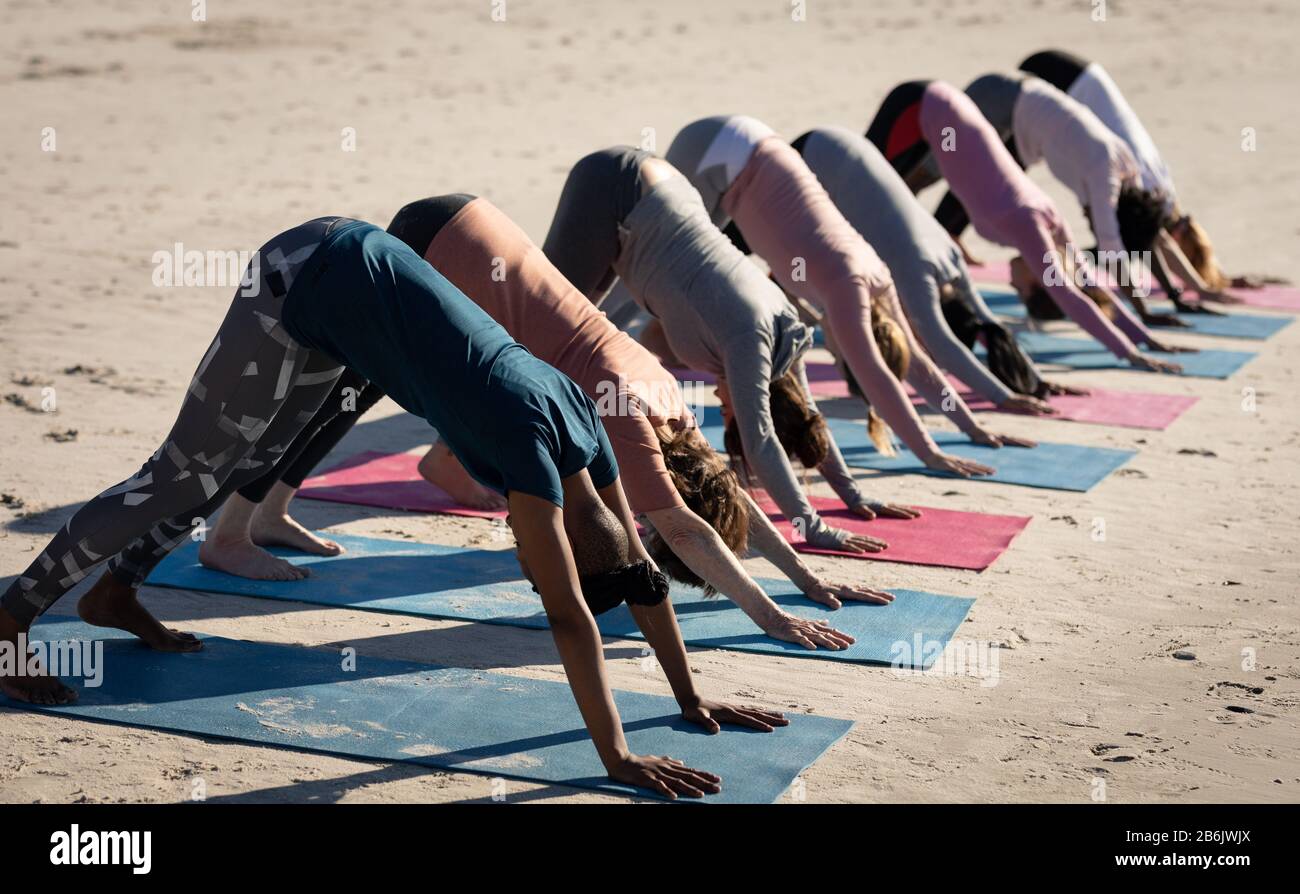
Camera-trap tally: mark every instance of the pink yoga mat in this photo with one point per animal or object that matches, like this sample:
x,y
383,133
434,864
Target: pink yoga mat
x,y
1269,297
387,480
940,537
1125,409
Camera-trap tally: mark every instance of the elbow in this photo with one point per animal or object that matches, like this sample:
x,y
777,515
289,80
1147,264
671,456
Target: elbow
x,y
691,541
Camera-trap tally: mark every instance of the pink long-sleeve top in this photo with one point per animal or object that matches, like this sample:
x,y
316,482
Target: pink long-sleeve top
x,y
790,221
1008,208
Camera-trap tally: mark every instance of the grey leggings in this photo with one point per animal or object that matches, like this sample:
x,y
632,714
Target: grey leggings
x,y
254,390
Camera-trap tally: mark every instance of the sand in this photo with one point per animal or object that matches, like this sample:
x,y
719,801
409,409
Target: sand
x,y
219,135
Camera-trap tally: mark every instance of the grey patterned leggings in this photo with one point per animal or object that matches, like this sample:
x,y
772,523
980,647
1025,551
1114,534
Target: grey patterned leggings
x,y
254,390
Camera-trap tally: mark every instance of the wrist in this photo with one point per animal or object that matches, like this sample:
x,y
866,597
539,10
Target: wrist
x,y
689,701
805,579
615,758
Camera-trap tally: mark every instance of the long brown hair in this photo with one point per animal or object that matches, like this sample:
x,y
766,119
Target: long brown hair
x,y
1042,306
801,432
711,491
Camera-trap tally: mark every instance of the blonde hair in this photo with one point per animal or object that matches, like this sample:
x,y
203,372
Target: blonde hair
x,y
898,357
1194,242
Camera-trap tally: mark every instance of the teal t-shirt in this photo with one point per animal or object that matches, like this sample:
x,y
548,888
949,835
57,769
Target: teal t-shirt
x,y
516,423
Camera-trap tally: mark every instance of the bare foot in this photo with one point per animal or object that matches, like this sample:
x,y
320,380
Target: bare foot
x,y
282,530
243,559
35,689
441,469
111,603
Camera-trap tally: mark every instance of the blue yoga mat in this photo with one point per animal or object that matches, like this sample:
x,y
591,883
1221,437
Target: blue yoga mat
x,y
1049,465
444,717
437,581
1080,353
1228,325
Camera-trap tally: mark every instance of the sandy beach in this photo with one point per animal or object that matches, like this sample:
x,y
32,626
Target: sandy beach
x,y
219,134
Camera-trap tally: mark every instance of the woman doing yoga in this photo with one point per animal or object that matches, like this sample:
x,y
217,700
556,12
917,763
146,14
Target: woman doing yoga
x,y
1037,122
1186,247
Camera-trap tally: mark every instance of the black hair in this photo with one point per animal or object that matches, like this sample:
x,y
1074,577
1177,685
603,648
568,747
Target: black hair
x,y
1006,359
1142,215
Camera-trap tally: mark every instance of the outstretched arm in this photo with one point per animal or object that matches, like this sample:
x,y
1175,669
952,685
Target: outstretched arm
x,y
1044,258
850,321
702,550
659,625
538,526
934,387
748,379
1167,249
924,311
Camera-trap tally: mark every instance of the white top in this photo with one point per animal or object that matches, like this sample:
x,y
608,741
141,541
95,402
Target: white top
x,y
1095,89
734,144
1081,152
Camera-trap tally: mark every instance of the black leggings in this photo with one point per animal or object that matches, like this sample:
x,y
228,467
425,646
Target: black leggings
x,y
1056,67
903,153
350,398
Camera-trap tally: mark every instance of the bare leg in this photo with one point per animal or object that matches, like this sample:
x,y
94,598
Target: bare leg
x,y
112,603
38,689
229,547
273,526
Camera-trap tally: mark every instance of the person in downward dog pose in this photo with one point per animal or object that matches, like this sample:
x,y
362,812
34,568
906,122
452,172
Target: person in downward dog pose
x,y
934,287
626,213
336,292
1183,244
1037,122
749,176
930,130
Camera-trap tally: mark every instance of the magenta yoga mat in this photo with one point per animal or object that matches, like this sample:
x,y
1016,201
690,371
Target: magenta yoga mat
x,y
940,537
386,480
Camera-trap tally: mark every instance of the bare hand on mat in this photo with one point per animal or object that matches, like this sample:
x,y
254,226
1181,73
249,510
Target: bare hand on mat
x,y
884,510
709,714
943,462
809,634
666,776
989,439
1144,361
834,595
1024,403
